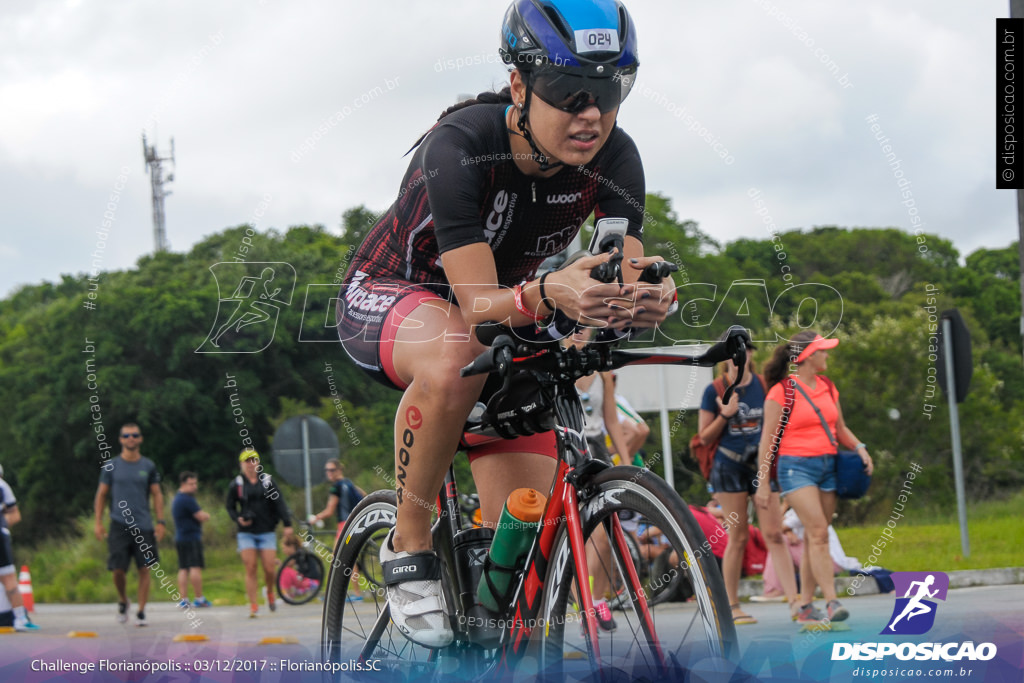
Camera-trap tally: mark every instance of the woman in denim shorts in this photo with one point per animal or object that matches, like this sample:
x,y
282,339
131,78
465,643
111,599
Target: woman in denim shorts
x,y
256,505
806,457
737,427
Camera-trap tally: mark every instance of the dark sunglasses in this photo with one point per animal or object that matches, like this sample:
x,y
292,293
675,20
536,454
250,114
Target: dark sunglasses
x,y
133,435
574,93
330,469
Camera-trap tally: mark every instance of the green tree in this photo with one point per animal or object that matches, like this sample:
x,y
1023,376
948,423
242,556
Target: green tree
x,y
356,223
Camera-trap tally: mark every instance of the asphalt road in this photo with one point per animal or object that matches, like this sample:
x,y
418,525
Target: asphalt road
x,y
772,647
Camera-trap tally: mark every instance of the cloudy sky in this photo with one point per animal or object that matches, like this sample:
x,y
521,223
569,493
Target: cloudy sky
x,y
781,88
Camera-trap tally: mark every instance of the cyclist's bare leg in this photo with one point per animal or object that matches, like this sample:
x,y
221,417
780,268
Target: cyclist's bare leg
x,y
500,474
814,507
432,345
734,507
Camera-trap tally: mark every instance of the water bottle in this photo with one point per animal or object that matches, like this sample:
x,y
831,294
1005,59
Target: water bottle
x,y
517,527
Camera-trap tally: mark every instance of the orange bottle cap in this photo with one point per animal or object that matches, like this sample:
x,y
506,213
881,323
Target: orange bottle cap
x,y
527,504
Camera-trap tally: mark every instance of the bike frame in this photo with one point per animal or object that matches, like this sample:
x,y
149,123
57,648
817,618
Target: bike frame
x,y
575,466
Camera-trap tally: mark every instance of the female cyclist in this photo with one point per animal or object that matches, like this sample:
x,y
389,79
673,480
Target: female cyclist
x,y
736,426
806,458
499,184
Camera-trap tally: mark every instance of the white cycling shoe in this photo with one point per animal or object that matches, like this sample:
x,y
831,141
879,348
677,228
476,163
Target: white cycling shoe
x,y
414,595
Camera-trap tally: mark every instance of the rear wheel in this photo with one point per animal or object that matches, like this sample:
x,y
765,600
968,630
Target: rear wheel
x,y
654,642
356,629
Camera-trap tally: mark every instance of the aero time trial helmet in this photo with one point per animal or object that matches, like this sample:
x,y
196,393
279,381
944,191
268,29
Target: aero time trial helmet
x,y
573,53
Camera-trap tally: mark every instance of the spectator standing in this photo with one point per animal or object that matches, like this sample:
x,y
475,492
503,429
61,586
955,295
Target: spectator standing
x,y
343,498
806,455
9,516
736,426
634,428
132,481
255,505
188,538
793,531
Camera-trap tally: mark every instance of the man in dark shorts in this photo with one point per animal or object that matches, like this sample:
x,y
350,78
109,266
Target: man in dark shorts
x,y
130,480
9,516
188,538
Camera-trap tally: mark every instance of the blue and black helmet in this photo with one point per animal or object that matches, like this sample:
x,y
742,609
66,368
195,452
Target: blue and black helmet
x,y
574,53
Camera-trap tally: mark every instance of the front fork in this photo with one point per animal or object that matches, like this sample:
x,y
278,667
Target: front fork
x,y
617,543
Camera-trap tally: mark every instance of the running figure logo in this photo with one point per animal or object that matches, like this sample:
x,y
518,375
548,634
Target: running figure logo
x,y
246,320
914,613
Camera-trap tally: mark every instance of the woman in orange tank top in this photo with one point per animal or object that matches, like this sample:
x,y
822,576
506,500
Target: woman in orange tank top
x,y
805,450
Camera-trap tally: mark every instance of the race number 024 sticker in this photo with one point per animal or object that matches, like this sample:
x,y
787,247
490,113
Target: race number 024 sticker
x,y
597,40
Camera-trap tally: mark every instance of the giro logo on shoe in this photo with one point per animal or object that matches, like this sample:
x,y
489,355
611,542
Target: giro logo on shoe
x,y
564,198
914,613
404,570
247,319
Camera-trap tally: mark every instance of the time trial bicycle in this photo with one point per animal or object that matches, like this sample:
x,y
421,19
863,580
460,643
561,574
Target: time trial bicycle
x,y
548,621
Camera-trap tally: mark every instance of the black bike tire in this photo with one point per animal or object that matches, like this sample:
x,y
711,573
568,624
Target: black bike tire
x,y
628,487
297,556
346,554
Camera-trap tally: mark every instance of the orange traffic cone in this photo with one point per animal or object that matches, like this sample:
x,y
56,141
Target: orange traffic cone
x,y
25,588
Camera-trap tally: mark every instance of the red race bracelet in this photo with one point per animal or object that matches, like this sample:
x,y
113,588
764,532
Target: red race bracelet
x,y
517,293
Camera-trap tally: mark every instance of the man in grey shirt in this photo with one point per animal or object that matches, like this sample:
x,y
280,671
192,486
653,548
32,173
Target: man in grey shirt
x,y
130,479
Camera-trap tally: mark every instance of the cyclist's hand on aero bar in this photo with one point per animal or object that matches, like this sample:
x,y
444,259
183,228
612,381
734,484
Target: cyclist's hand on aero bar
x,y
648,303
580,297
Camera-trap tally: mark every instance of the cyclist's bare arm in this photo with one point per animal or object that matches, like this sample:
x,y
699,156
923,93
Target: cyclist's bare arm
x,y
473,275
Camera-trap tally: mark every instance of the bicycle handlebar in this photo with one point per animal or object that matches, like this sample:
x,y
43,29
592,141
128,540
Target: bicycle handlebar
x,y
502,357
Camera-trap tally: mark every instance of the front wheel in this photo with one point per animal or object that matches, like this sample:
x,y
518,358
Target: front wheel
x,y
648,641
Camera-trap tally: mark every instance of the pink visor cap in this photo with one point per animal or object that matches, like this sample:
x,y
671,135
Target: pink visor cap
x,y
817,344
